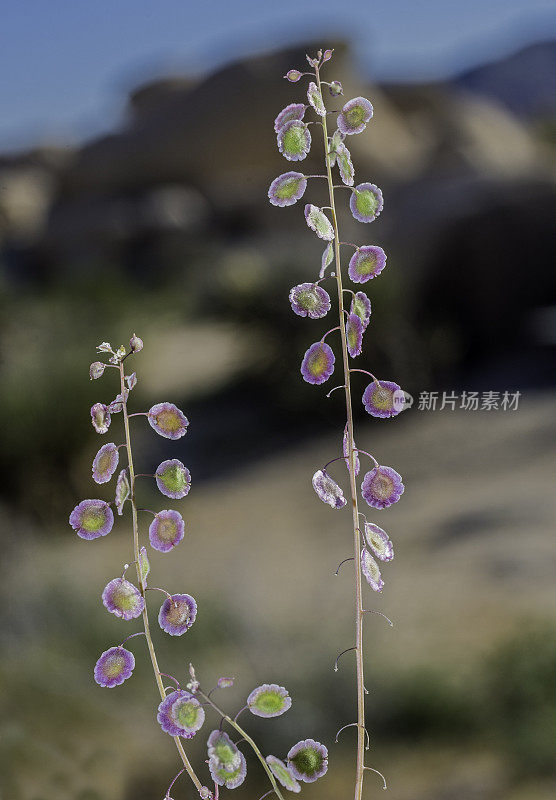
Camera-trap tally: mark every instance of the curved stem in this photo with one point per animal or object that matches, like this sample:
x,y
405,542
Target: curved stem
x,y
145,615
360,766
365,372
248,739
332,330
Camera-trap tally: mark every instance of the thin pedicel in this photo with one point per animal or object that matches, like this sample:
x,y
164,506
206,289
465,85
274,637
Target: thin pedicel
x,y
381,486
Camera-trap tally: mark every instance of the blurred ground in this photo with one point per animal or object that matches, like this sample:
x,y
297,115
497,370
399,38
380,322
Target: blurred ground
x,y
163,228
473,571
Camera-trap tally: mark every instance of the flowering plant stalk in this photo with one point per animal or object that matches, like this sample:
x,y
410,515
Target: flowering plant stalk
x,y
382,486
181,711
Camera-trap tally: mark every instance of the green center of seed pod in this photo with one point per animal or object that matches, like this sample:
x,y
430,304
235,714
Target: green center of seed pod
x,y
295,139
308,299
124,597
228,776
359,309
321,223
318,363
367,265
93,519
372,567
269,702
114,666
355,116
166,530
174,478
168,421
382,486
288,188
224,752
178,613
383,398
307,761
345,163
351,336
366,202
105,462
186,713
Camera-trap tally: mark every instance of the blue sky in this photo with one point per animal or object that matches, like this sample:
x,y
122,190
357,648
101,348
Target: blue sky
x,y
66,65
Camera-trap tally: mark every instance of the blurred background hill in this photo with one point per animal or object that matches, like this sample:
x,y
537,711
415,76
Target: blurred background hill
x,y
157,222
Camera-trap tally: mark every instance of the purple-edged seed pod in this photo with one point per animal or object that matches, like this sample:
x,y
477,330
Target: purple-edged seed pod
x,y
287,114
114,667
91,519
354,116
361,305
318,363
177,615
315,99
345,164
328,490
181,714
166,530
371,571
382,487
319,222
383,399
310,300
308,760
105,463
366,202
354,335
123,599
379,542
283,774
100,417
287,189
173,479
123,490
168,421
366,263
269,700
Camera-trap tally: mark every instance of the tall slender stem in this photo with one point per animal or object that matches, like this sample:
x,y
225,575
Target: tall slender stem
x,y
248,739
360,769
145,615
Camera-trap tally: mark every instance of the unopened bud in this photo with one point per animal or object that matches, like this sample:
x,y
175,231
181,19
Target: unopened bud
x,y
335,88
136,343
